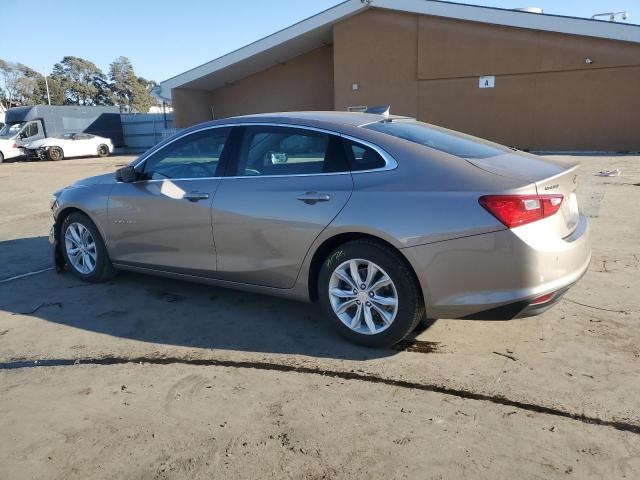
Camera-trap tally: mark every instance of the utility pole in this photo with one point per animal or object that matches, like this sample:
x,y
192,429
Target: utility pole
x,y
46,82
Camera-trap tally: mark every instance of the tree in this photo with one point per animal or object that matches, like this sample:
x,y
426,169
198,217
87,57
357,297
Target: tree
x,y
10,78
82,81
131,92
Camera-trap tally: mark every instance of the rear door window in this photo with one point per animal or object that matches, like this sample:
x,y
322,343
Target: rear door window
x,y
273,150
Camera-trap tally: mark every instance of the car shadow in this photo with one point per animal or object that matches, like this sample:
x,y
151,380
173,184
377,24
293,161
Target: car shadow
x,y
171,312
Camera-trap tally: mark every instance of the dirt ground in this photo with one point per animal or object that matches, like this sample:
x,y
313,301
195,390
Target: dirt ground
x,y
147,378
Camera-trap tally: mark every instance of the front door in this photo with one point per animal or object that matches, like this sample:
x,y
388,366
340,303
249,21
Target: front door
x,y
30,131
164,220
286,185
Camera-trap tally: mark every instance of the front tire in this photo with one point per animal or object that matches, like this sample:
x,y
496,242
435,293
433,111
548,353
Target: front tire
x,y
1,157
370,294
84,250
55,153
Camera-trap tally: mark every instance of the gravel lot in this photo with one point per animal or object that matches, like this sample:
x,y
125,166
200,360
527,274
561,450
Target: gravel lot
x,y
144,377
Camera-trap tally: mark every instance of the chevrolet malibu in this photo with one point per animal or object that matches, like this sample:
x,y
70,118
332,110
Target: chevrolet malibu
x,y
382,220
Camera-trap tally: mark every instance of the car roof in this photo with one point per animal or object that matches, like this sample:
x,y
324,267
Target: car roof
x,y
341,118
310,118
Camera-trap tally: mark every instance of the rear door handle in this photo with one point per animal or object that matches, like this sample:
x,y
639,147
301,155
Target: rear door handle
x,y
310,198
195,196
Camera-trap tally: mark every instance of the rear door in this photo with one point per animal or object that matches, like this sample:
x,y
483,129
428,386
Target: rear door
x,y
164,221
284,187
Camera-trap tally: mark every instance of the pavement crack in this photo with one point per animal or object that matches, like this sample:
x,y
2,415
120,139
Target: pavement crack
x,y
364,377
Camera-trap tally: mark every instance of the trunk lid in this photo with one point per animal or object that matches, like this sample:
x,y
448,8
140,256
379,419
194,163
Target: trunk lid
x,y
551,177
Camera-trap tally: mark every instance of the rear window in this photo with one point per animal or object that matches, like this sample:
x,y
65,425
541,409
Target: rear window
x,y
447,141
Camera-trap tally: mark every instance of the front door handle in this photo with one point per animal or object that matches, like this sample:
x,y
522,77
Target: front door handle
x,y
311,198
195,196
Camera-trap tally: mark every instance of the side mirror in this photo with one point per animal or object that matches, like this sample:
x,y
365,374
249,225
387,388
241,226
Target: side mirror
x,y
126,174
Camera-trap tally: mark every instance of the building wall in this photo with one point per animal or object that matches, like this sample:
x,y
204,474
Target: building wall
x,y
377,50
302,83
545,97
190,106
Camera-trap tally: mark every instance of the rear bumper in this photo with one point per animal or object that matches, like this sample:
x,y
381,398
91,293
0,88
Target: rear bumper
x,y
498,275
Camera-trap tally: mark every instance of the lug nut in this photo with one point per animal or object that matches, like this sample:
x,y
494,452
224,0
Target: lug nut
x,y
363,286
371,294
357,302
368,304
355,292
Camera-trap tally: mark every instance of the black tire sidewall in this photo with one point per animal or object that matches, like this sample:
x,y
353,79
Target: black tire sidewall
x,y
410,305
102,261
1,158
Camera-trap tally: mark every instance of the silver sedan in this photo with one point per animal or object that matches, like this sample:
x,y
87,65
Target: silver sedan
x,y
382,220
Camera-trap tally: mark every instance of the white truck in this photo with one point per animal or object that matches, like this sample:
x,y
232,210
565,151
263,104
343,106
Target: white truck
x,y
24,125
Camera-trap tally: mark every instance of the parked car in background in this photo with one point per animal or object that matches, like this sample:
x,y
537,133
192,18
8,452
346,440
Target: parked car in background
x,y
381,219
69,145
8,146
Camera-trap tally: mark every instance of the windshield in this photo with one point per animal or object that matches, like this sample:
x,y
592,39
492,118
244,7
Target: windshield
x,y
447,141
10,129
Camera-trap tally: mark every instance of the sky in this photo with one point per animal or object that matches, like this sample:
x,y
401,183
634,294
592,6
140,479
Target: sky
x,y
163,38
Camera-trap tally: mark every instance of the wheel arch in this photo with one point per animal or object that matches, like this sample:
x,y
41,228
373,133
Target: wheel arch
x,y
331,243
68,210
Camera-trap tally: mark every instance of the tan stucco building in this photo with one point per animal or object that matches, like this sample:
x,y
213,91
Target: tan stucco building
x,y
548,82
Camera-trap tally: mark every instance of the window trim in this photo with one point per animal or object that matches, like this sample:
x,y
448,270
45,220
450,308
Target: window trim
x,y
390,162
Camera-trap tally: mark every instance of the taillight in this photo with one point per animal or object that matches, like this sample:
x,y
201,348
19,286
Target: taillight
x,y
543,299
14,145
516,210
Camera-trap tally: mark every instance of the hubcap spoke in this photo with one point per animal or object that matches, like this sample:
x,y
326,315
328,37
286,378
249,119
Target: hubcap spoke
x,y
372,270
353,270
73,230
344,276
369,320
357,318
383,282
345,306
387,301
386,316
342,293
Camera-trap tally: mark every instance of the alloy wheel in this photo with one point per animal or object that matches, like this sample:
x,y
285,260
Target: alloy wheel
x,y
81,248
363,296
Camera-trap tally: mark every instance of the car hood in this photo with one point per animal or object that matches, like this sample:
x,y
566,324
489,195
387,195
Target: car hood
x,y
520,166
105,178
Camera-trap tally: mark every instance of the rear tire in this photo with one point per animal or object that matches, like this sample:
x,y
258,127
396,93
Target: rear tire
x,y
103,150
55,153
83,249
1,157
375,317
